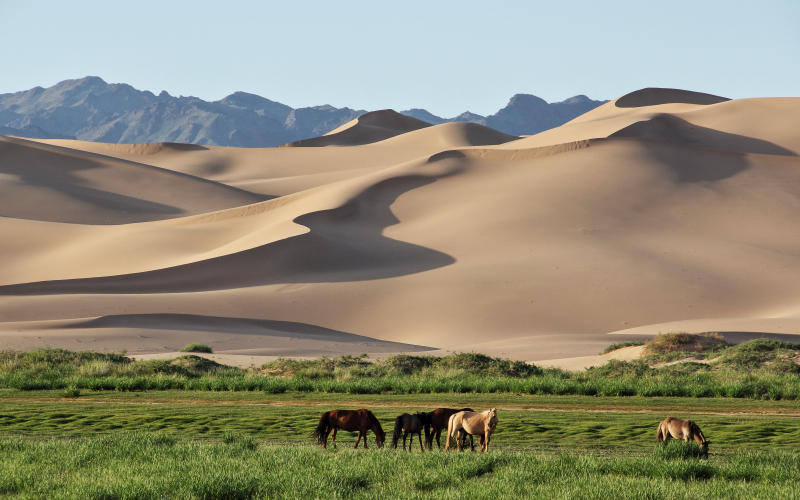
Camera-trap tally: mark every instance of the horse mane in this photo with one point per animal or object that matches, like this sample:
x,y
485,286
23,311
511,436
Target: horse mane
x,y
374,420
696,430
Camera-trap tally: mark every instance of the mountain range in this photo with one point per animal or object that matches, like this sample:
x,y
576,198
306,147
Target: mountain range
x,y
93,110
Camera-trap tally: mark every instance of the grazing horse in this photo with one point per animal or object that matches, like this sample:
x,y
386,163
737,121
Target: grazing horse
x,y
473,423
686,430
407,424
349,420
436,422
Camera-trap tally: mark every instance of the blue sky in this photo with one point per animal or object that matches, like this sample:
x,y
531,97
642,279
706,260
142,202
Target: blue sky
x,y
446,56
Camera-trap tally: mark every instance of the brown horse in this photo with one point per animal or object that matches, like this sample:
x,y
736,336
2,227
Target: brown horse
x,y
686,430
406,424
470,422
436,422
349,420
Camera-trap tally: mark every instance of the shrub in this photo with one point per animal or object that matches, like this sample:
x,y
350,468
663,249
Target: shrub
x,y
197,348
72,392
684,343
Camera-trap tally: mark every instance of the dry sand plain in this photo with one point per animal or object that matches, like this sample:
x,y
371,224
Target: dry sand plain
x,y
661,211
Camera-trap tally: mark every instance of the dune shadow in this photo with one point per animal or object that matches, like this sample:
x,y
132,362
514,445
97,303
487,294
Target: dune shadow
x,y
224,324
670,128
706,163
653,96
62,170
343,244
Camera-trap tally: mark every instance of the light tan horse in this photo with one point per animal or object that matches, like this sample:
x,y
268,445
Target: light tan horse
x,y
679,428
470,422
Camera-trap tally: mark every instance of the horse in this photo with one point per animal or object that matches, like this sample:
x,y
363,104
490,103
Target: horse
x,y
436,422
349,420
473,423
406,424
686,430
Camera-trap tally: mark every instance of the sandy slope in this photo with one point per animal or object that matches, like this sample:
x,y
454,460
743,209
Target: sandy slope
x,y
668,207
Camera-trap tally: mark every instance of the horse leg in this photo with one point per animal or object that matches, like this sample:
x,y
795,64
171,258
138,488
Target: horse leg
x,y
358,439
365,431
438,441
405,435
333,443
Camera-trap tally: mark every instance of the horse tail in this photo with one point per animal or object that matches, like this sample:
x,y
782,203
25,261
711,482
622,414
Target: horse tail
x,y
322,427
426,424
450,431
659,433
398,429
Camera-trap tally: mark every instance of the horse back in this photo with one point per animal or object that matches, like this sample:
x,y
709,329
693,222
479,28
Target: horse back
x,y
440,417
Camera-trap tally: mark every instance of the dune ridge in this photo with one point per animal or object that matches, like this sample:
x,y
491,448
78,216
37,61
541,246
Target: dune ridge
x,y
672,209
369,127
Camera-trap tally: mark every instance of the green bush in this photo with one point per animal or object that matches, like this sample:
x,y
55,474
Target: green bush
x,y
197,348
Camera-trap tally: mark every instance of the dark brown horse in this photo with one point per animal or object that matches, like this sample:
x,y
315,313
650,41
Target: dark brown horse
x,y
436,422
406,424
349,420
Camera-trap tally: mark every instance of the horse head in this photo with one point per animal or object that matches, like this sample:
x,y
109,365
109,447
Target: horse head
x,y
380,437
704,447
492,417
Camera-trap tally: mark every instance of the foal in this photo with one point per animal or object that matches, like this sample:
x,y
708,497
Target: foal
x,y
408,424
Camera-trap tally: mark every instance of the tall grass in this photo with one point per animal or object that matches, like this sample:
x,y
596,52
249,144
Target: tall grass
x,y
138,465
760,369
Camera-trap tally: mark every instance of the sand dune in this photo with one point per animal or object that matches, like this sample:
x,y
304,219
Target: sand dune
x,y
673,210
283,171
50,183
369,127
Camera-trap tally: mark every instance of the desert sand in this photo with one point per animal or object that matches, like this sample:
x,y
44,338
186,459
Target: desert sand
x,y
661,211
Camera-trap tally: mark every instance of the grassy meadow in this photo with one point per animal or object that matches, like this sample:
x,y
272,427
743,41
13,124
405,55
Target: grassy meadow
x,y
92,425
140,465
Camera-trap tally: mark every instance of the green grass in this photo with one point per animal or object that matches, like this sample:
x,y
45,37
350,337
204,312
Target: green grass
x,y
620,345
759,369
584,423
251,445
145,465
197,348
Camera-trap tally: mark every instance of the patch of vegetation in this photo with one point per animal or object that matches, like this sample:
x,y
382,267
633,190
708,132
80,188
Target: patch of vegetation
x,y
678,450
72,392
197,348
672,346
760,370
620,345
773,355
140,465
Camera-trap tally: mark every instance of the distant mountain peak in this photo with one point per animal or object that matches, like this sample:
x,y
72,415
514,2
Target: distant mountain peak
x,y
576,99
526,100
91,109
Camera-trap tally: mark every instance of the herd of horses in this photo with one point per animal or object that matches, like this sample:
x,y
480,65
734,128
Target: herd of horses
x,y
461,424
